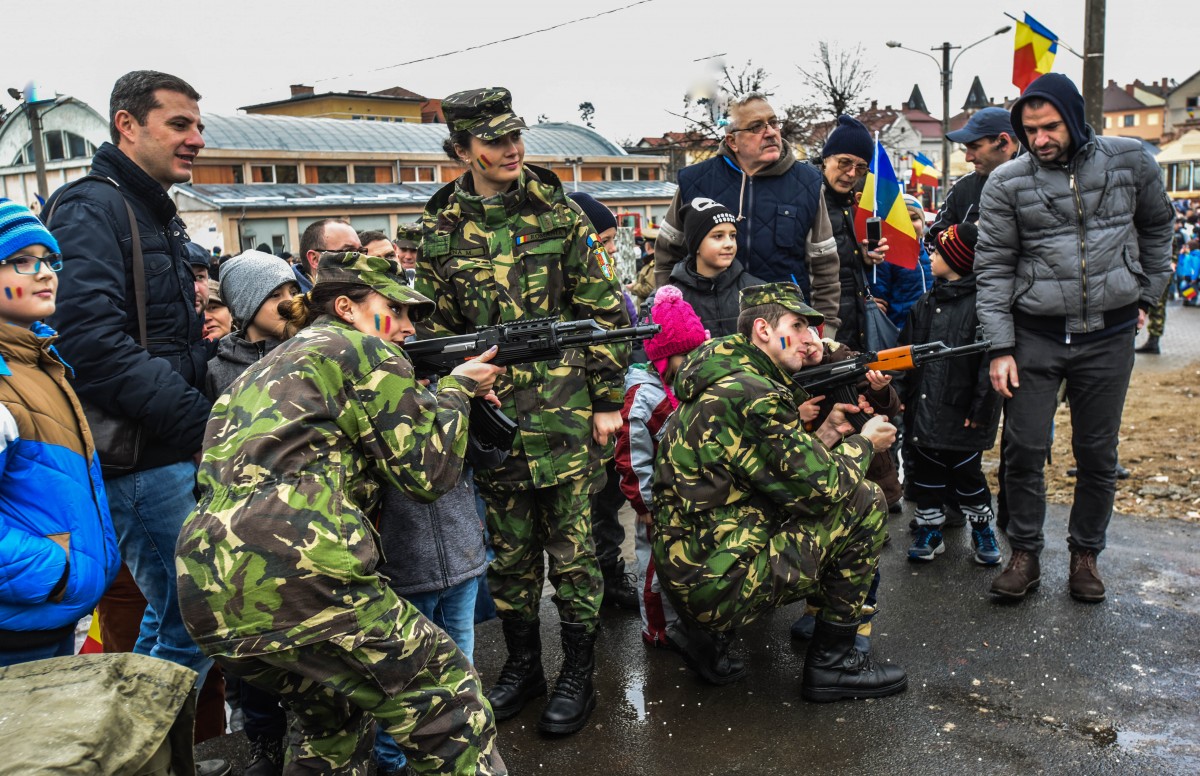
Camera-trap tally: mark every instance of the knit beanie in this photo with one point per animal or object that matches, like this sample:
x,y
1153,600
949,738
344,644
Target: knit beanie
x,y
681,327
597,212
849,137
248,279
956,244
701,216
20,228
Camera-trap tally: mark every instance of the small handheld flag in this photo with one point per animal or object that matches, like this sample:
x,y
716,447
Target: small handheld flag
x,y
881,197
923,171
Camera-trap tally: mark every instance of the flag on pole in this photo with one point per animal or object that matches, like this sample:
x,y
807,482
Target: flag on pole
x,y
92,644
882,197
1034,55
923,171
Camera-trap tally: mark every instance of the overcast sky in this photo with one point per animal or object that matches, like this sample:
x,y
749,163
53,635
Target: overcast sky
x,y
634,65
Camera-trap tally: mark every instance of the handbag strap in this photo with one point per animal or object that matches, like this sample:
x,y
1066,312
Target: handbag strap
x,y
139,265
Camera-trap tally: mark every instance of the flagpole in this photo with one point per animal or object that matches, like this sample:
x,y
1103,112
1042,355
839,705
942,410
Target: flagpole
x,y
875,200
1056,40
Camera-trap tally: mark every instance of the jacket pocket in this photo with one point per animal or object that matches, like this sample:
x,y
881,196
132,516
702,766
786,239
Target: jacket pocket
x,y
785,226
544,281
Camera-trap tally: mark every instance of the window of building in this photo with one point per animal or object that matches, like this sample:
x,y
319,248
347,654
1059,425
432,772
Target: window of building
x,y
621,174
57,145
217,173
1193,102
326,173
1128,120
417,175
1152,119
647,173
274,173
373,173
1107,122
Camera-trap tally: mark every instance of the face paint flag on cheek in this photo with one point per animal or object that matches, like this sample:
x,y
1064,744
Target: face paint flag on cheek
x,y
483,162
785,343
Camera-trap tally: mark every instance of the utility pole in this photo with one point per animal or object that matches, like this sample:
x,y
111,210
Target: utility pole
x,y
947,74
1093,63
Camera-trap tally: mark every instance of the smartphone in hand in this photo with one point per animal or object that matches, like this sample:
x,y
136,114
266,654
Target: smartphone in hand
x,y
874,232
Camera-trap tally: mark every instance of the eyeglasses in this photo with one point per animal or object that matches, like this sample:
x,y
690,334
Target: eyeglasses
x,y
759,127
845,164
24,264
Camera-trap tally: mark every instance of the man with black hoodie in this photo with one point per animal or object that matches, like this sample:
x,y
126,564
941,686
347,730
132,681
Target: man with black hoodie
x,y
155,380
1074,248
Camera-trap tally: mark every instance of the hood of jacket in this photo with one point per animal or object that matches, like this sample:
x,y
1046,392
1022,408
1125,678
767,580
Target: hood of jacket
x,y
1060,92
723,359
235,349
953,289
112,163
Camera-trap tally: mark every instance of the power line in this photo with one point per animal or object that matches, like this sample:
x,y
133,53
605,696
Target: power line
x,y
494,42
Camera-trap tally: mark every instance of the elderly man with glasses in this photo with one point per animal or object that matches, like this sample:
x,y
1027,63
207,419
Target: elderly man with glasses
x,y
783,230
845,159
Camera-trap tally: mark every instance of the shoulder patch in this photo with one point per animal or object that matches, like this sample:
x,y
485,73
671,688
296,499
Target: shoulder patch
x,y
603,260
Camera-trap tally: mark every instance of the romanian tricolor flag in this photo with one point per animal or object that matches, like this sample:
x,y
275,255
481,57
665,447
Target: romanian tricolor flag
x,y
881,197
923,172
1035,50
91,644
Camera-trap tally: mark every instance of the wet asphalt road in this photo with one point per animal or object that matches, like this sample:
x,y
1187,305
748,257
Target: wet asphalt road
x,y
1045,686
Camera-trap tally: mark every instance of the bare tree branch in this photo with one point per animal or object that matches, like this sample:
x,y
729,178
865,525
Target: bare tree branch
x,y
839,79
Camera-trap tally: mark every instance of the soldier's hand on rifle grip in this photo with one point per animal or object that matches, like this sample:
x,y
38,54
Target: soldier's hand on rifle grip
x,y
880,433
836,425
1003,371
479,370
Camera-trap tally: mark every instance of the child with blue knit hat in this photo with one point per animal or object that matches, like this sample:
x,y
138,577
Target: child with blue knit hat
x,y
58,550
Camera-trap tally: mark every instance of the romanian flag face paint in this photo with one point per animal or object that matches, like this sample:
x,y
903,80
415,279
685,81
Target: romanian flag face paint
x,y
383,323
923,171
483,162
1034,49
785,343
881,197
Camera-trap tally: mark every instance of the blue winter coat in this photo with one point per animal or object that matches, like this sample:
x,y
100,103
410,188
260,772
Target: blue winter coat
x,y
901,287
50,486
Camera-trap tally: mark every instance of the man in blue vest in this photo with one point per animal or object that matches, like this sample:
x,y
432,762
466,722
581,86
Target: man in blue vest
x,y
783,229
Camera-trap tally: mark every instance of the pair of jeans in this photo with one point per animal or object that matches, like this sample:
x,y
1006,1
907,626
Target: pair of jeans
x,y
452,610
1096,373
64,647
148,509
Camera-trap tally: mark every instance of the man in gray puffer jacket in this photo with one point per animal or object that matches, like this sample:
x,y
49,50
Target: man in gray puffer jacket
x,y
1074,248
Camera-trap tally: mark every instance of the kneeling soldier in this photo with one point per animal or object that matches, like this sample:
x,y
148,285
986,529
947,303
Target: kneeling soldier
x,y
753,512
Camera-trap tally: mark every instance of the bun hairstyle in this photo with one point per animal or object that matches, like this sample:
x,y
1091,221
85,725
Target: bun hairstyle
x,y
460,138
301,310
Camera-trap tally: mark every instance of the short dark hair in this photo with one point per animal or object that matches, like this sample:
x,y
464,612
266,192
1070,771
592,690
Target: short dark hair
x,y
769,312
1035,103
311,239
134,94
462,138
371,235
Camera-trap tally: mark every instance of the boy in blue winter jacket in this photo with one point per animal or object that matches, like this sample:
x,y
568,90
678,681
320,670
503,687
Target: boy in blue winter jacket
x,y
58,552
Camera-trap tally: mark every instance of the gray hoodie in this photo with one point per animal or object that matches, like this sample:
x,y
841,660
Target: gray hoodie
x,y
234,354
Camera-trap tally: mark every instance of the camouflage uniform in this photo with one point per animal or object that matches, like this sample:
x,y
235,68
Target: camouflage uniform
x,y
529,253
1157,322
277,563
752,512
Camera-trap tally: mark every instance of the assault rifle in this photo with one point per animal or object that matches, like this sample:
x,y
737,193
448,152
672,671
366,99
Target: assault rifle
x,y
839,380
522,342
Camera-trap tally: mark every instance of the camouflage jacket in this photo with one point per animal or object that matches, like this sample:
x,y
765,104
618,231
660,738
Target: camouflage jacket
x,y
280,550
735,463
529,253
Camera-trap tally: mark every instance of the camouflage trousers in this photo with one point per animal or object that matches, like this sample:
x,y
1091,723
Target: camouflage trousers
x,y
415,683
557,521
1158,315
830,562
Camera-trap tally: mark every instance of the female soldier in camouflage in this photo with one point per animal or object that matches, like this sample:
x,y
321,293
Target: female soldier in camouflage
x,y
502,244
277,563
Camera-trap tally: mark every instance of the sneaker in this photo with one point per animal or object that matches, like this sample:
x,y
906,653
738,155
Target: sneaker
x,y
926,543
983,539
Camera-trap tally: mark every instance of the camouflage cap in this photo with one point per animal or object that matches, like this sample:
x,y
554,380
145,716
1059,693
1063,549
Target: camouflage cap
x,y
382,275
485,113
788,295
408,236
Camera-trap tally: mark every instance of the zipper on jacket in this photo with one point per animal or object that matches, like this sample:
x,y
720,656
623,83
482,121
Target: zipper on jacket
x,y
749,216
1082,254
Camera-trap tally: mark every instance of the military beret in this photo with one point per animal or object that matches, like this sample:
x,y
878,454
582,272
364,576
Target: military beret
x,y
485,113
382,275
787,295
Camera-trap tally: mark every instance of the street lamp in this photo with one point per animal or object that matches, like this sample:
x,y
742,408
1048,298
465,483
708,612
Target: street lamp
x,y
29,98
946,70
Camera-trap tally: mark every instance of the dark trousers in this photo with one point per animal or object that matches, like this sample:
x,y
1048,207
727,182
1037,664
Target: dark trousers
x,y
606,526
1096,373
939,474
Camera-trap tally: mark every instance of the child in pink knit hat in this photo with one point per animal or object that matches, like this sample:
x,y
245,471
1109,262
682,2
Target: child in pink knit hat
x,y
649,401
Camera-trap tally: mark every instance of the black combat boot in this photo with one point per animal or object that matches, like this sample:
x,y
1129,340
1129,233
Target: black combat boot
x,y
707,652
266,757
1149,346
573,698
834,669
521,678
619,589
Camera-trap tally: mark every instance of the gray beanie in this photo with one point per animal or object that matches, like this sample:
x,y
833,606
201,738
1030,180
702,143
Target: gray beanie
x,y
248,279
